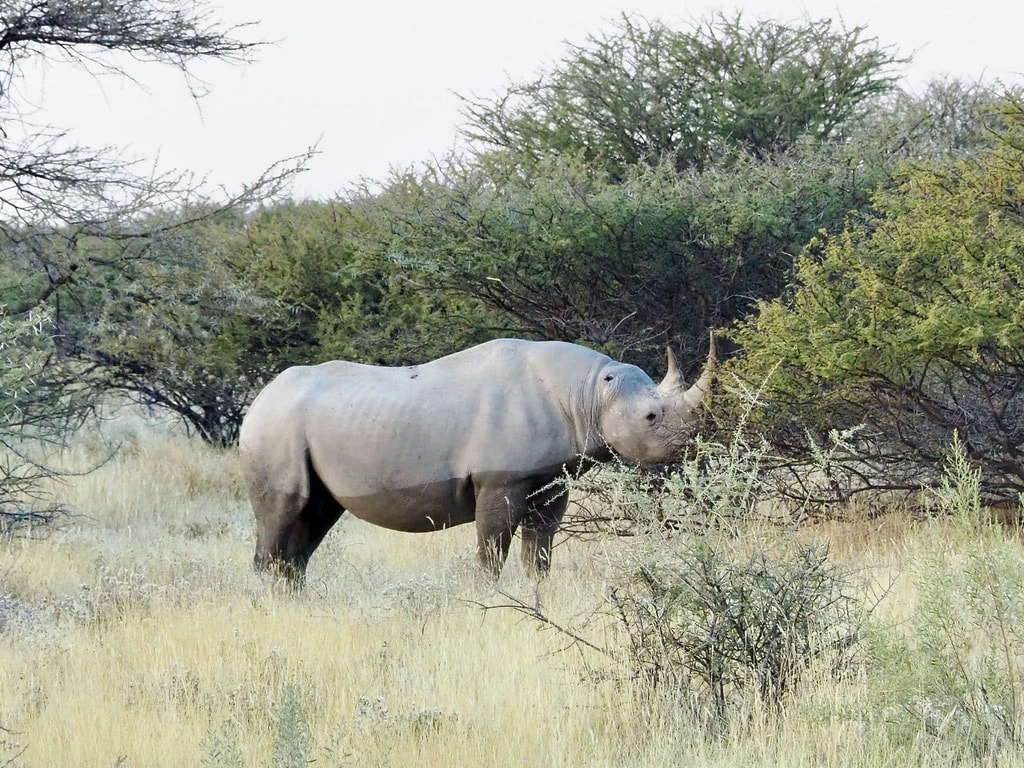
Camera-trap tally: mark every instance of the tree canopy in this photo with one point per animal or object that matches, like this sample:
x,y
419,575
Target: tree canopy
x,y
56,195
657,257
647,92
910,322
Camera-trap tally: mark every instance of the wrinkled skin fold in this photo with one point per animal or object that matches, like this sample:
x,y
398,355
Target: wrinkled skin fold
x,y
477,436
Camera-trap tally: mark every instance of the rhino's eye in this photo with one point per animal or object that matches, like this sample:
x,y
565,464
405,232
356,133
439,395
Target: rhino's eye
x,y
609,377
651,417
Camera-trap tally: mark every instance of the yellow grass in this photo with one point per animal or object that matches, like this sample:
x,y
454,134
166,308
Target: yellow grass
x,y
137,635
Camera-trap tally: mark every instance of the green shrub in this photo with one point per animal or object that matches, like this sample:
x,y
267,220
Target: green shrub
x,y
220,749
910,323
293,743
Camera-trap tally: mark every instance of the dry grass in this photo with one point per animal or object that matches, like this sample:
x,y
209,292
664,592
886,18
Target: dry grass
x,y
137,635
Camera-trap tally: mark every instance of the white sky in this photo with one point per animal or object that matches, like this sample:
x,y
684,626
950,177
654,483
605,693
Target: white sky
x,y
375,82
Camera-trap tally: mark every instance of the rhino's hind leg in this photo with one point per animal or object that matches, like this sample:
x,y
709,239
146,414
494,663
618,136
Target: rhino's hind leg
x,y
289,528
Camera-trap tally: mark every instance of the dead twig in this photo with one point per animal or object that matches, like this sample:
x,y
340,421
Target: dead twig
x,y
534,612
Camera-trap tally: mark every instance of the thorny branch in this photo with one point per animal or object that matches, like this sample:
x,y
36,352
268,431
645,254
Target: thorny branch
x,y
534,612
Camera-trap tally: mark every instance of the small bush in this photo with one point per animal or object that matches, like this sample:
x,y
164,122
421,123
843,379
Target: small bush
x,y
292,746
715,631
220,750
707,619
953,678
716,486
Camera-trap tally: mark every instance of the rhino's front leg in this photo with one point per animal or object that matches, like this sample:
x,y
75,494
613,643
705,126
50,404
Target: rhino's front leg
x,y
498,513
539,527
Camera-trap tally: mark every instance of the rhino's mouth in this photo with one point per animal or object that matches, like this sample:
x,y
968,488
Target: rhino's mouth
x,y
677,436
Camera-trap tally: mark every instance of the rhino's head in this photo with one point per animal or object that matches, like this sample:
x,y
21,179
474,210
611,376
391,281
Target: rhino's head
x,y
645,422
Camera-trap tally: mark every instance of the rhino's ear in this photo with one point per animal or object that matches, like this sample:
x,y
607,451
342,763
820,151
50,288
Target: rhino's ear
x,y
672,384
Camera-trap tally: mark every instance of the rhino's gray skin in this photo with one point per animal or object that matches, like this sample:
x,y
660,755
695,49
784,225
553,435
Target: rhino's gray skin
x,y
477,435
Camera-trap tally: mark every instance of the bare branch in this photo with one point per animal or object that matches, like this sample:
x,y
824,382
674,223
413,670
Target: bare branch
x,y
534,612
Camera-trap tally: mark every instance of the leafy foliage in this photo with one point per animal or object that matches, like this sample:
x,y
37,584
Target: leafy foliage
x,y
910,322
163,318
195,313
292,745
651,186
220,749
564,253
648,93
349,293
37,403
948,121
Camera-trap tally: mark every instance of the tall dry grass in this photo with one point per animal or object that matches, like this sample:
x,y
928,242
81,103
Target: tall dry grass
x,y
136,634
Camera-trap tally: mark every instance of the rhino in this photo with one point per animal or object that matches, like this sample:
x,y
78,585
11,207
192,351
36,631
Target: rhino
x,y
480,435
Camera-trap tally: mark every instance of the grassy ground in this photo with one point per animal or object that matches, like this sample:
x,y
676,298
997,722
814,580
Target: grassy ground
x,y
136,634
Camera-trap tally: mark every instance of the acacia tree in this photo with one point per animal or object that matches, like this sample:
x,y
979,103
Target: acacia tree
x,y
655,183
164,320
54,193
564,253
647,92
658,181
44,175
340,269
910,324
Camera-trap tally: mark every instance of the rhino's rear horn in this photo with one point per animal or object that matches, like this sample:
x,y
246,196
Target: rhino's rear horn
x,y
672,384
695,394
